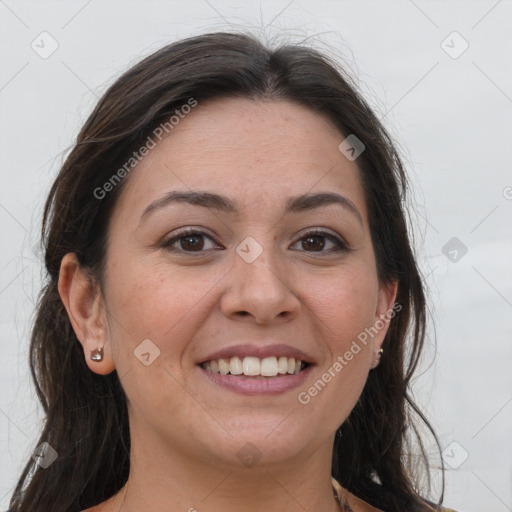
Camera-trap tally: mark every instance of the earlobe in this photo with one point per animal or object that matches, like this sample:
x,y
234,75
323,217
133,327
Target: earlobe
x,y
386,310
84,305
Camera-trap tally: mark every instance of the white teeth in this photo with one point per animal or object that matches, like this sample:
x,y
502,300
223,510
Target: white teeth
x,y
251,366
254,366
235,366
269,367
224,366
282,365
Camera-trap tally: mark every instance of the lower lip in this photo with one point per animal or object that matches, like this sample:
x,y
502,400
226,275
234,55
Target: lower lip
x,y
258,386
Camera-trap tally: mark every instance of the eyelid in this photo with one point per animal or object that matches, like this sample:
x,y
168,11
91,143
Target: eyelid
x,y
323,232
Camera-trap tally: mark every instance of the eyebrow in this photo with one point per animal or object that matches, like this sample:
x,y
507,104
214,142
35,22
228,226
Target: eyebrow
x,y
296,204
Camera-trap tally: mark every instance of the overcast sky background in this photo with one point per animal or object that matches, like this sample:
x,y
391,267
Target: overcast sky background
x,y
439,75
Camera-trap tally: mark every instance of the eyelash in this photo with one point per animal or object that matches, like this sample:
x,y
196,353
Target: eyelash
x,y
342,246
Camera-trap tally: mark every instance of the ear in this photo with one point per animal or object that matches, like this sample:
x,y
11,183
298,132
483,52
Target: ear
x,y
385,311
86,311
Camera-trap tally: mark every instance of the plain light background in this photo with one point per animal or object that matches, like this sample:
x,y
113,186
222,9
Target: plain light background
x,y
448,107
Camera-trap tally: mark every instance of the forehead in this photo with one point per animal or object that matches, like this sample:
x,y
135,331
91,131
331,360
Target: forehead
x,y
256,151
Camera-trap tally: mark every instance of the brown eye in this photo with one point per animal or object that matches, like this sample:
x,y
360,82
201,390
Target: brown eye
x,y
194,241
315,241
189,241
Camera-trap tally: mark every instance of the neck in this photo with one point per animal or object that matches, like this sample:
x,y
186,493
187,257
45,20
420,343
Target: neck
x,y
165,479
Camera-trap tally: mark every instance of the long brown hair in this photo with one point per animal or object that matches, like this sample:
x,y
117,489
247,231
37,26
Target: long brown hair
x,y
86,415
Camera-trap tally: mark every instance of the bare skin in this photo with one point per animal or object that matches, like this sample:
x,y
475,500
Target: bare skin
x,y
199,295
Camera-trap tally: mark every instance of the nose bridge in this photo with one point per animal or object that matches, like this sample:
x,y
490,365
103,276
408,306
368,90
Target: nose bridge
x,y
259,283
258,260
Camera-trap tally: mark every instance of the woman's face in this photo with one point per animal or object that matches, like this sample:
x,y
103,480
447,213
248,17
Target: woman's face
x,y
251,282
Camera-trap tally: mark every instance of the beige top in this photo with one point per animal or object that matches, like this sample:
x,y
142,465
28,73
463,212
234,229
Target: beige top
x,y
351,499
361,505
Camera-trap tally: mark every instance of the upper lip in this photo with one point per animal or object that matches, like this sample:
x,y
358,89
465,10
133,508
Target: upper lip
x,y
260,351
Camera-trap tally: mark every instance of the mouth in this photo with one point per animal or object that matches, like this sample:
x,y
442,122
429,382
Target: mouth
x,y
251,366
255,376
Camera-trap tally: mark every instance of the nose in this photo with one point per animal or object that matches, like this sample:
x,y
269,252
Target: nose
x,y
261,291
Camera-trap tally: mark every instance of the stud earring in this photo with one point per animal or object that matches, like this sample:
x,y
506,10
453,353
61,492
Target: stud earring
x,y
376,358
97,354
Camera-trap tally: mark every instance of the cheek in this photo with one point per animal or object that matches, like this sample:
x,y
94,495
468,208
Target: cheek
x,y
343,308
167,307
345,305
149,301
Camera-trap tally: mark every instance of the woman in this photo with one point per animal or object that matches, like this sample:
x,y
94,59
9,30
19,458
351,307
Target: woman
x,y
230,286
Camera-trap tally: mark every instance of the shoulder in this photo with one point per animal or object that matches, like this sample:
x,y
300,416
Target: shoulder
x,y
355,503
358,505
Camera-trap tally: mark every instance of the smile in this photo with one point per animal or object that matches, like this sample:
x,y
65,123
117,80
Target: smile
x,y
257,376
254,366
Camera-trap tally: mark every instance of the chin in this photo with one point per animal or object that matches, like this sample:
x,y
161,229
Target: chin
x,y
262,443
